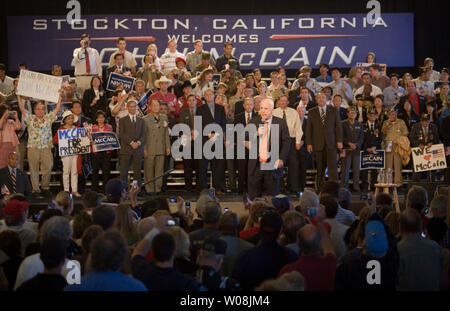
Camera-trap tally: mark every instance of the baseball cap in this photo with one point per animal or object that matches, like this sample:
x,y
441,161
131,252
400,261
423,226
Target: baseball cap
x,y
214,245
206,55
15,208
114,187
424,117
376,239
271,222
281,203
359,97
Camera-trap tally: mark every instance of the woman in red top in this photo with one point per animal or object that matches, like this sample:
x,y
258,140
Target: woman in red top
x,y
101,159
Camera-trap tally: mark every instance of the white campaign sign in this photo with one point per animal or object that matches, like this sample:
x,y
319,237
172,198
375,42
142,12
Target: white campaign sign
x,y
429,159
38,85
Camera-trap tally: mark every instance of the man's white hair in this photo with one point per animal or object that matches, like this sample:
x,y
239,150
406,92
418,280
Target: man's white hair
x,y
268,100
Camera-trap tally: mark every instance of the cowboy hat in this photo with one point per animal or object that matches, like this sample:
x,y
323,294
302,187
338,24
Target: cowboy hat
x,y
162,79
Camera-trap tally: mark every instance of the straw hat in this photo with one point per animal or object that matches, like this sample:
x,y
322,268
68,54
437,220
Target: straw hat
x,y
162,79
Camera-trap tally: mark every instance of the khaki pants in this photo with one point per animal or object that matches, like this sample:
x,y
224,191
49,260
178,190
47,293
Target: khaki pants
x,y
70,173
83,83
394,161
153,166
40,159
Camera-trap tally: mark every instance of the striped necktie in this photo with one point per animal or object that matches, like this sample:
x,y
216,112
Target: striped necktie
x,y
322,115
13,180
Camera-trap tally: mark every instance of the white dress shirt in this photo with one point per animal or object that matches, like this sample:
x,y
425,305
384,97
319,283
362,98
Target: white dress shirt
x,y
79,61
293,122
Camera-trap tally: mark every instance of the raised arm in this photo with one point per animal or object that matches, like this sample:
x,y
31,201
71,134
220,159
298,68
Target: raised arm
x,y
58,104
22,109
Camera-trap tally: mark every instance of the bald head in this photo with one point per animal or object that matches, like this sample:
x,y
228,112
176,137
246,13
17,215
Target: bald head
x,y
410,222
309,239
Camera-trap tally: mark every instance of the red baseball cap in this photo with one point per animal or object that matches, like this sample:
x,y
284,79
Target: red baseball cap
x,y
15,208
180,59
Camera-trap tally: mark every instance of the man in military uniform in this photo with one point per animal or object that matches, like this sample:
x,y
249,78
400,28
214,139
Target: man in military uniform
x,y
353,138
392,130
423,134
205,63
210,261
372,142
157,145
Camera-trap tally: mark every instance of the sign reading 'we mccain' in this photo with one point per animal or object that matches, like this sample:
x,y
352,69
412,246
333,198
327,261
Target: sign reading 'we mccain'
x,y
429,159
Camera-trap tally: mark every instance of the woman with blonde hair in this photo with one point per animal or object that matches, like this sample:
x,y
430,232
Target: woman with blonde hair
x,y
64,203
354,78
204,82
152,50
262,89
182,250
125,225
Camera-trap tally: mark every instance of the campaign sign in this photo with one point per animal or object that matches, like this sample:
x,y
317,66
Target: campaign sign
x,y
143,103
74,141
38,85
116,79
369,160
104,141
429,159
216,80
64,107
365,67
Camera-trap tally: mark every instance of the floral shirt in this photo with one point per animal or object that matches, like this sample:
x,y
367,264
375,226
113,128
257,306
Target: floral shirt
x,y
39,130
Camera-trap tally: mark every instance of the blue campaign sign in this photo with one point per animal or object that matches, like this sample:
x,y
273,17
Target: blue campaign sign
x,y
260,41
64,107
370,160
143,104
104,141
116,79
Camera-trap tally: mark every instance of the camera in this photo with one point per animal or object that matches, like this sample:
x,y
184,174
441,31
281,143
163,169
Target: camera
x,y
212,192
85,43
187,206
12,114
172,200
173,222
312,211
176,76
226,209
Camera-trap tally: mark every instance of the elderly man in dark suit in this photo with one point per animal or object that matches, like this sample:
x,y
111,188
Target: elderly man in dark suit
x,y
132,136
353,136
212,113
14,178
324,137
258,177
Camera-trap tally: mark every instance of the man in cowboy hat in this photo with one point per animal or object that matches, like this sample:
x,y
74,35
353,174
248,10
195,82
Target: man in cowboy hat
x,y
163,95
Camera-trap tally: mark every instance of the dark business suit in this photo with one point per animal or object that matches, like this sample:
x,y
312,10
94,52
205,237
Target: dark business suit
x,y
242,163
372,138
23,185
417,137
190,164
294,98
352,134
303,158
88,97
131,133
343,113
217,165
323,139
270,179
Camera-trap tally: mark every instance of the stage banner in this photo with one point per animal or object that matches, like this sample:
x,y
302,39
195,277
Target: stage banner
x,y
259,41
369,160
74,141
104,141
38,85
116,79
429,159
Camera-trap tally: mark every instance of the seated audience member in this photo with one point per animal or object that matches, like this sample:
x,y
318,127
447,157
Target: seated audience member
x,y
161,274
228,226
88,236
384,204
420,259
264,261
182,260
292,222
53,256
108,254
344,216
104,216
436,229
64,203
56,226
317,269
417,198
252,225
15,213
90,201
337,229
288,282
210,260
352,273
80,223
125,225
11,248
210,216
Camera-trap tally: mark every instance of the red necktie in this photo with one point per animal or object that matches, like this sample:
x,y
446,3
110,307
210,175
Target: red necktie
x,y
263,147
248,118
88,65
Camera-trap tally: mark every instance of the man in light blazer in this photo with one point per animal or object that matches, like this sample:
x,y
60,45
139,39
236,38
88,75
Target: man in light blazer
x,y
157,146
324,137
132,136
